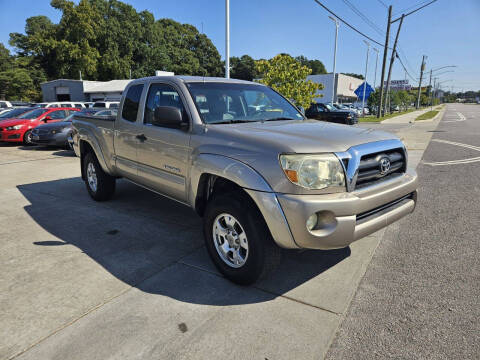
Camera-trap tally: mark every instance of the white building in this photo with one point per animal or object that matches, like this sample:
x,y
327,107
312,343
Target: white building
x,y
82,90
344,87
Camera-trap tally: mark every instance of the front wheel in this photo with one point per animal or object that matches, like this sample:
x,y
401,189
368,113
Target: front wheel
x,y
27,138
238,240
100,185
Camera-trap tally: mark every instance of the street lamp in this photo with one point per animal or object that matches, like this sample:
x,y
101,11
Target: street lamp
x,y
227,39
337,24
365,83
433,70
376,63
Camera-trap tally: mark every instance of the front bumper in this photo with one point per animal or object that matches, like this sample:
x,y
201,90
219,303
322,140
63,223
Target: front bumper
x,y
59,139
12,135
342,217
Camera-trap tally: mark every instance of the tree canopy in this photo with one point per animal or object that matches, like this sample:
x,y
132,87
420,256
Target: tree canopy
x,y
316,66
108,39
289,77
358,76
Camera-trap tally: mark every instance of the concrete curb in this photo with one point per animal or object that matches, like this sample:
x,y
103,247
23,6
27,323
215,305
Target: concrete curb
x,y
439,114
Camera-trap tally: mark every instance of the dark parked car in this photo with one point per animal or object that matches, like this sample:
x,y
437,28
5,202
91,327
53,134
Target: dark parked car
x,y
13,113
57,134
327,112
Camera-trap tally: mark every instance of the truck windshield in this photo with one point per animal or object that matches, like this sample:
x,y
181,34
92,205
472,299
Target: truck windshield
x,y
235,102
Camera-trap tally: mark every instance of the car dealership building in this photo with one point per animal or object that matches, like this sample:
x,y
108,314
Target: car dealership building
x,y
83,90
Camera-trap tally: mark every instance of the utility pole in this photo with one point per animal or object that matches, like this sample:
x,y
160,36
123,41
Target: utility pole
x,y
365,83
430,89
385,50
80,73
376,63
422,68
392,59
227,39
337,24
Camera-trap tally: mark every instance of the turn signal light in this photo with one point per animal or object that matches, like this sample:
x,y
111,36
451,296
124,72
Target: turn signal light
x,y
292,175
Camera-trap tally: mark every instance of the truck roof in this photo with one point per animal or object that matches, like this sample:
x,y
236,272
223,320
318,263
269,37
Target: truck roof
x,y
191,79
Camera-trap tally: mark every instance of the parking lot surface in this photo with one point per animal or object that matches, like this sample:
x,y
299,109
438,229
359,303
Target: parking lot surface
x,y
420,296
130,278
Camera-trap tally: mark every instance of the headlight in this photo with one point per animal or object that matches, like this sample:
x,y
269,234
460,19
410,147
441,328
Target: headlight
x,y
16,127
56,131
313,171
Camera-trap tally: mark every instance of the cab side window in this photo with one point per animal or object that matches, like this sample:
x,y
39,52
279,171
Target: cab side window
x,y
161,95
131,103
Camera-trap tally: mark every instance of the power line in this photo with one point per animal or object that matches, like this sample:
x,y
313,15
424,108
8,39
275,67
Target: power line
x,y
346,23
381,2
414,11
364,17
411,7
378,30
404,68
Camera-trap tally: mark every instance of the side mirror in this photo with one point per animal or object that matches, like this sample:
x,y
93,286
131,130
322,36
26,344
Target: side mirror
x,y
46,118
168,116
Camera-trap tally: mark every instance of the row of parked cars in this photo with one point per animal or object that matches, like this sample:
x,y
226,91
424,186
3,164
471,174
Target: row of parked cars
x,y
7,105
48,125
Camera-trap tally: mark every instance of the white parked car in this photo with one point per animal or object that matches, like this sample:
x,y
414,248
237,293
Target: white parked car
x,y
106,104
69,104
5,104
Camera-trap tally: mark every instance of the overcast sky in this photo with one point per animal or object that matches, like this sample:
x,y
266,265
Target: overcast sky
x,y
447,31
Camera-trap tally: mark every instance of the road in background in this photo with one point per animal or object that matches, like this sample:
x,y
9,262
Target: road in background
x,y
419,298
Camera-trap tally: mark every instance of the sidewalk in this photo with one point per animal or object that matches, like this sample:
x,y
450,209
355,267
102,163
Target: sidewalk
x,y
405,118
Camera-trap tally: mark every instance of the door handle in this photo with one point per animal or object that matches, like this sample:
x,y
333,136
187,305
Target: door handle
x,y
141,137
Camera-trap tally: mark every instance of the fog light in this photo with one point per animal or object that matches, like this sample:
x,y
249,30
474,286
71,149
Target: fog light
x,y
312,222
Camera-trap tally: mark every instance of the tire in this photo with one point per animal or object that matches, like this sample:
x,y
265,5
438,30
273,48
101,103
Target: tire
x,y
27,138
262,256
100,185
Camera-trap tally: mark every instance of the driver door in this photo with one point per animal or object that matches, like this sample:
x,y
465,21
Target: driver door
x,y
163,152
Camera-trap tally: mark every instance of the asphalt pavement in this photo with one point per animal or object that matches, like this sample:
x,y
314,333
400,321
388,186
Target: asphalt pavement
x,y
130,278
419,298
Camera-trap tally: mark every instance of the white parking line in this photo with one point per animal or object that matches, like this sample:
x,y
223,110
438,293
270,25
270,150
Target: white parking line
x,y
455,162
461,117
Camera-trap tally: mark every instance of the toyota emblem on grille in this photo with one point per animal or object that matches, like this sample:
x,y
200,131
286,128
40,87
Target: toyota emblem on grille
x,y
384,165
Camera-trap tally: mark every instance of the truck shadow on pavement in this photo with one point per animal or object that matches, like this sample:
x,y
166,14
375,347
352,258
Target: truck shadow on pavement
x,y
153,243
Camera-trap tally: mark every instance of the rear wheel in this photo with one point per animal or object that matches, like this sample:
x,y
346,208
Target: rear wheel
x,y
238,240
100,185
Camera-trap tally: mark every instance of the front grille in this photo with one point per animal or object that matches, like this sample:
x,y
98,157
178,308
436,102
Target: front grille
x,y
371,170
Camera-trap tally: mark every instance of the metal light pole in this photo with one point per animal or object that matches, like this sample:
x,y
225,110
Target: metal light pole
x,y
337,24
365,84
227,39
376,63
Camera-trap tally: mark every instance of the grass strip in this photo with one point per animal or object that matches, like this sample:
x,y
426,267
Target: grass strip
x,y
373,118
428,115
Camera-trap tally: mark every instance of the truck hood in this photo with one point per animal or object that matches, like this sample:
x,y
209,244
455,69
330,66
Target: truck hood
x,y
301,136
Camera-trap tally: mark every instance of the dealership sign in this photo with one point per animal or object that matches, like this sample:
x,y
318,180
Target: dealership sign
x,y
399,84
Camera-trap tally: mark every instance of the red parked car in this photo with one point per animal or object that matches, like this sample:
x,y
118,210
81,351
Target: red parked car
x,y
20,128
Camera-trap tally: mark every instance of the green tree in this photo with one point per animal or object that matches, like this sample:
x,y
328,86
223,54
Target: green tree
x,y
358,76
108,39
316,66
243,68
289,77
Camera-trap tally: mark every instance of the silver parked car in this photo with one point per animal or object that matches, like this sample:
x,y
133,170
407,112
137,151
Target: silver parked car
x,y
262,177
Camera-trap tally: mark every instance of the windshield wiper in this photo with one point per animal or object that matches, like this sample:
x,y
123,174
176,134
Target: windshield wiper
x,y
277,119
232,121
